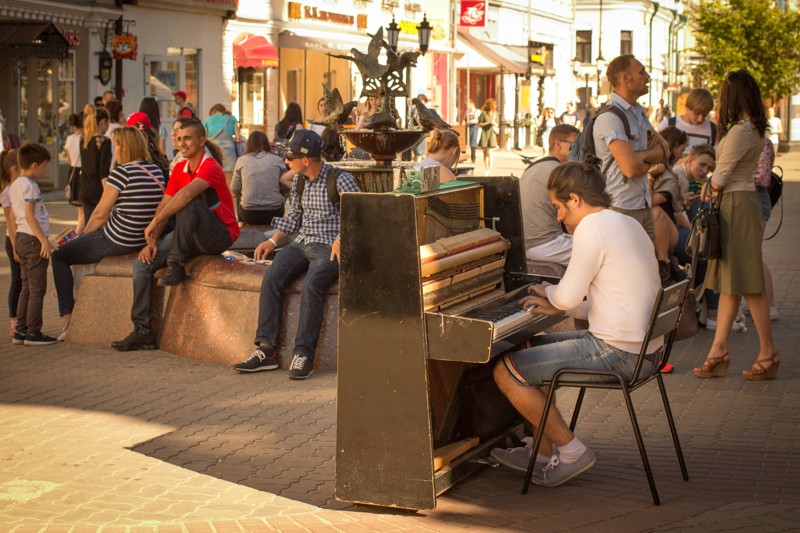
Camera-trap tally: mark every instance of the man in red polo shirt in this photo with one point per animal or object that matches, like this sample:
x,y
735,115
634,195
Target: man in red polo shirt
x,y
199,199
183,108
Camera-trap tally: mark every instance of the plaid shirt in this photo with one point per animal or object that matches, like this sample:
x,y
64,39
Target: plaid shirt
x,y
315,218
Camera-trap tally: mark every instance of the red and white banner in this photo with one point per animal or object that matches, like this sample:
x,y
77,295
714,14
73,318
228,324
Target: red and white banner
x,y
473,13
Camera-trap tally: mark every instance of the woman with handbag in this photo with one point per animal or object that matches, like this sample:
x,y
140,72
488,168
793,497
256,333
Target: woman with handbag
x,y
223,130
739,269
130,198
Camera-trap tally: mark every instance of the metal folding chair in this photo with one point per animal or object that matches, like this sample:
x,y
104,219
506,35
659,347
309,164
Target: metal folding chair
x,y
663,321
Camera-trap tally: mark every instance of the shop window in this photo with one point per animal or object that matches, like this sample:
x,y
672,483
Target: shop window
x,y
625,42
583,46
190,83
45,111
251,99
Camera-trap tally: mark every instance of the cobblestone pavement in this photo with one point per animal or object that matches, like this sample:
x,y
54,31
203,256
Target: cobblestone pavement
x,y
97,440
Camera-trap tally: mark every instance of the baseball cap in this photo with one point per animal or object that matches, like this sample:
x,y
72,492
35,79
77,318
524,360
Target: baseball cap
x,y
305,143
180,93
139,118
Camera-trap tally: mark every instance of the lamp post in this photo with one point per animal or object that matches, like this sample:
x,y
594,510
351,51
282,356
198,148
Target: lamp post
x,y
601,66
424,33
393,34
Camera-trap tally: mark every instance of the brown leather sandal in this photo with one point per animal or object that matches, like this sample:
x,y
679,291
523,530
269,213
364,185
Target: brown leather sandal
x,y
713,367
760,372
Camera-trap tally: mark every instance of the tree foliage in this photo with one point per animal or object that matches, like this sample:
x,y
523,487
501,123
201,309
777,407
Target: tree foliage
x,y
747,34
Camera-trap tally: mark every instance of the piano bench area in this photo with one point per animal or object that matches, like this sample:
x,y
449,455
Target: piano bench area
x,y
211,317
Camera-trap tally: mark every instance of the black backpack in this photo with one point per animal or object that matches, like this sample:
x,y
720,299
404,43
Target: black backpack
x,y
673,121
584,144
542,160
333,193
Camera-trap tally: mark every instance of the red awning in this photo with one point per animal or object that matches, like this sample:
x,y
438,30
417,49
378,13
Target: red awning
x,y
254,51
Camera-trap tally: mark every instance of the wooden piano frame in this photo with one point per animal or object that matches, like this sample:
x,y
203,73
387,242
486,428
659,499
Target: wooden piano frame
x,y
397,364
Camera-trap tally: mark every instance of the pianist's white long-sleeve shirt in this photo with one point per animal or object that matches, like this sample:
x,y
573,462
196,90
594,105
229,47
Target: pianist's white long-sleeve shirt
x,y
614,266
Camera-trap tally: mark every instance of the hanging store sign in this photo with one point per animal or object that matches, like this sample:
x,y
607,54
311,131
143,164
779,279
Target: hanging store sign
x,y
124,46
73,37
473,13
104,67
299,11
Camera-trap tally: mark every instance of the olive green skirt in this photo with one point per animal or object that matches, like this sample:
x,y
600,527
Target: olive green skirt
x,y
740,269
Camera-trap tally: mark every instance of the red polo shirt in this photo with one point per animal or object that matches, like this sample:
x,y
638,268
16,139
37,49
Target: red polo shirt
x,y
210,171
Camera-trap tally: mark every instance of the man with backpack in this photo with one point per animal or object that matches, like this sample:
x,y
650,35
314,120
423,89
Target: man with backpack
x,y
315,250
625,142
184,109
545,240
695,121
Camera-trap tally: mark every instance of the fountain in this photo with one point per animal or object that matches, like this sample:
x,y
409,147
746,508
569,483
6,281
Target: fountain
x,y
381,136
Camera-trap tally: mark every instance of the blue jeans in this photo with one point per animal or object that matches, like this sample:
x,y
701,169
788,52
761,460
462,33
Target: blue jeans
x,y
288,264
570,349
86,249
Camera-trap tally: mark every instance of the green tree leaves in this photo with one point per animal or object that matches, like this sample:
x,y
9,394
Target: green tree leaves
x,y
747,34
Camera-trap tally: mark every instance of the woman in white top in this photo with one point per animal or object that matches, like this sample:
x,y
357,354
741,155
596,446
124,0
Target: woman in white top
x,y
443,151
73,148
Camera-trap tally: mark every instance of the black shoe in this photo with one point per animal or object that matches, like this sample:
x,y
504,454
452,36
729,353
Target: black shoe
x,y
136,340
677,271
38,339
301,367
174,275
664,271
262,358
18,338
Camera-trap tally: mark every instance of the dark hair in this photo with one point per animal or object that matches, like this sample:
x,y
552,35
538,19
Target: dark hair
x,y
257,142
740,94
98,101
442,140
703,149
114,108
157,157
8,159
293,115
582,179
30,154
182,121
332,149
76,120
197,126
617,67
218,108
149,106
561,132
674,137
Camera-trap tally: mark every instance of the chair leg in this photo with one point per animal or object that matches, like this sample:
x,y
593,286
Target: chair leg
x,y
637,432
672,428
537,438
577,410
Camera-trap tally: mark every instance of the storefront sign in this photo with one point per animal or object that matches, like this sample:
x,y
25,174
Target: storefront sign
x,y
473,13
104,67
73,37
299,11
409,27
124,46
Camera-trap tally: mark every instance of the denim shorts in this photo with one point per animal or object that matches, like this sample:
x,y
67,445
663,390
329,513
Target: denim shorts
x,y
572,349
766,203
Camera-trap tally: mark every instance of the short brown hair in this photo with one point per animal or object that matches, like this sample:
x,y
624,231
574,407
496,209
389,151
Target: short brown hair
x,y
617,67
582,179
132,145
700,101
702,149
560,133
32,154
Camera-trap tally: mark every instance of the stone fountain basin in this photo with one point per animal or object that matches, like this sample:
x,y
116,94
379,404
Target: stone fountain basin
x,y
383,145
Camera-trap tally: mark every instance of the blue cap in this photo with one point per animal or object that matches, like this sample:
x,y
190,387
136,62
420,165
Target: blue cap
x,y
305,143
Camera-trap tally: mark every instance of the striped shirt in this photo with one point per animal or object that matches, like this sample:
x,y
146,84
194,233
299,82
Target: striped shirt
x,y
139,196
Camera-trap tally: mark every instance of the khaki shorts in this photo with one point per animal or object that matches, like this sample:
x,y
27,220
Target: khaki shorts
x,y
642,216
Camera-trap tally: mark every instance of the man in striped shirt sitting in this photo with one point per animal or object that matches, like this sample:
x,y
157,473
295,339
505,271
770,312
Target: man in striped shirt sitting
x,y
197,195
315,250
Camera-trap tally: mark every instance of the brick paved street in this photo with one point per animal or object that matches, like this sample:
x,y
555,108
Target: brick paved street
x,y
147,441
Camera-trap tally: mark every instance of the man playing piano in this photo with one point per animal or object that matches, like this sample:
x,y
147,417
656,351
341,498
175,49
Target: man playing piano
x,y
613,265
315,251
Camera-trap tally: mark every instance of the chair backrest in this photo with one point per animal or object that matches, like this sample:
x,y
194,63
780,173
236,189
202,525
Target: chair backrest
x,y
663,322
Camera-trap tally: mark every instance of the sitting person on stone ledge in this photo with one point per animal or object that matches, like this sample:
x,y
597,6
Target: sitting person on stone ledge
x,y
131,195
545,239
315,251
199,199
256,182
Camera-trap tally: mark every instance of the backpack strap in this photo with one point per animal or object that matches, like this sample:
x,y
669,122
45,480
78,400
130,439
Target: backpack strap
x,y
713,134
672,121
333,192
542,160
620,115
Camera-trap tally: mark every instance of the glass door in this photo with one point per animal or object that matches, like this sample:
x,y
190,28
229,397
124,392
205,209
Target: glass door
x,y
165,75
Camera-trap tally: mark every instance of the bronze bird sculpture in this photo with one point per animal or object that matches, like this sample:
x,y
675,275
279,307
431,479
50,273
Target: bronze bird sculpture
x,y
428,119
336,111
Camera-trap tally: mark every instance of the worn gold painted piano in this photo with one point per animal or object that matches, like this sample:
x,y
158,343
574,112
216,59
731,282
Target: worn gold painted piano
x,y
426,300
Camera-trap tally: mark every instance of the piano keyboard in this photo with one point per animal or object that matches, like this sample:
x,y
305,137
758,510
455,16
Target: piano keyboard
x,y
507,318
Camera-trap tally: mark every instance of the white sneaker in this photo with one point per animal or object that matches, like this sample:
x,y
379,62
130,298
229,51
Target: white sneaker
x,y
711,324
773,313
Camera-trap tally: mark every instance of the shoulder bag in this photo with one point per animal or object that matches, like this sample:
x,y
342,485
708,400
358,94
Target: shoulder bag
x,y
705,240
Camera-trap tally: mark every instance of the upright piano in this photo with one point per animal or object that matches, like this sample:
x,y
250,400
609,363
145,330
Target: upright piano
x,y
428,294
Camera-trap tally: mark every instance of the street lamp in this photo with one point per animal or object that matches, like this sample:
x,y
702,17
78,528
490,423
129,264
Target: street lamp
x,y
393,34
601,66
424,32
